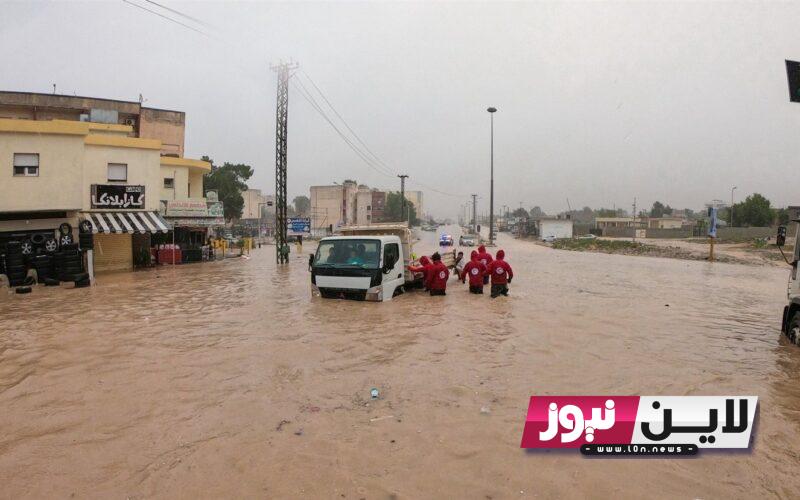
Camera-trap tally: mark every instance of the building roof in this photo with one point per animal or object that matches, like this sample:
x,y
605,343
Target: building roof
x,y
46,96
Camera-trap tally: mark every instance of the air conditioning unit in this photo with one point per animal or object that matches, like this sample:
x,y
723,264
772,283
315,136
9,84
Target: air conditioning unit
x,y
130,121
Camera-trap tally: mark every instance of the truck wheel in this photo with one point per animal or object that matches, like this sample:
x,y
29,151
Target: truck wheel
x,y
793,332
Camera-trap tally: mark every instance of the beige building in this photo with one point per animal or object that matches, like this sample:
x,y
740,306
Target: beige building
x,y
58,169
665,222
328,208
415,197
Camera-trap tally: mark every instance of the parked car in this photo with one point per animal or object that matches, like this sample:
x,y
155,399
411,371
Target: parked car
x,y
446,240
588,236
549,238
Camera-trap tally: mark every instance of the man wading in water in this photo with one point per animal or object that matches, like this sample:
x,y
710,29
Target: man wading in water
x,y
439,275
501,274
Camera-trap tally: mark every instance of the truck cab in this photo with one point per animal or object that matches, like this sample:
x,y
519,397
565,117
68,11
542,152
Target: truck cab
x,y
791,313
359,267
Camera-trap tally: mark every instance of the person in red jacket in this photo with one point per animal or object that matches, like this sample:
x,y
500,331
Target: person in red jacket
x,y
475,271
424,268
485,258
501,274
439,275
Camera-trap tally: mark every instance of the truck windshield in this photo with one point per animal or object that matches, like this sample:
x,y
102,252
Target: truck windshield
x,y
365,254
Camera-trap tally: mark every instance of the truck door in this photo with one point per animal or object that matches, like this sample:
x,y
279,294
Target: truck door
x,y
392,263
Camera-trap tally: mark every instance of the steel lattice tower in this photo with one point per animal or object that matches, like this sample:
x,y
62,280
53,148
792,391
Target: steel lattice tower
x,y
281,120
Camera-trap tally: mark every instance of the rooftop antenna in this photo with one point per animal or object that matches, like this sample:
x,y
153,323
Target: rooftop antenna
x,y
54,88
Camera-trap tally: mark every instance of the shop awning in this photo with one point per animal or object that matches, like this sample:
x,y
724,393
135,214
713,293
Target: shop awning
x,y
126,222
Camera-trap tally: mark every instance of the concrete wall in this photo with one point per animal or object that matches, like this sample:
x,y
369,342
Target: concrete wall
x,y
167,126
557,228
252,199
619,232
59,184
326,206
669,233
745,233
143,169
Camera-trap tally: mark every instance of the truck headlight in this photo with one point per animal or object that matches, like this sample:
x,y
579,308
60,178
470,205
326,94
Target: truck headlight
x,y
315,291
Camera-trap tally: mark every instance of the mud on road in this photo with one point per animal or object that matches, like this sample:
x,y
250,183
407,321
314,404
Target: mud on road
x,y
228,380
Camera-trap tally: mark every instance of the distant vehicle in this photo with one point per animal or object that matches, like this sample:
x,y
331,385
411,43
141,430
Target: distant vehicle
x,y
549,238
588,236
467,240
446,240
791,313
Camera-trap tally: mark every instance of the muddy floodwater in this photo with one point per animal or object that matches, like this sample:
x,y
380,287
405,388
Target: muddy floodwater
x,y
228,380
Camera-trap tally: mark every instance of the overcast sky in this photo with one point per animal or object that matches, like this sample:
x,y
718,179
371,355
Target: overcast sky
x,y
598,102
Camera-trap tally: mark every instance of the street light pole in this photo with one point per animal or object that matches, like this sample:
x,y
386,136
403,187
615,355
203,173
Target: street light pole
x,y
491,111
732,190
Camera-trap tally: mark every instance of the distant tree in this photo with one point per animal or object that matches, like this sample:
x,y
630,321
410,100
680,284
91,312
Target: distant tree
x,y
229,181
755,211
302,205
520,212
668,210
606,212
781,216
392,211
657,210
537,212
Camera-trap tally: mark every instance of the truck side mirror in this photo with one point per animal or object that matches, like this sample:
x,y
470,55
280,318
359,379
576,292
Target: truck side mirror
x,y
780,240
310,261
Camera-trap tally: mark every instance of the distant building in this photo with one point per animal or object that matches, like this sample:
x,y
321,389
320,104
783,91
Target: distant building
x,y
617,222
254,200
794,212
665,222
555,227
415,197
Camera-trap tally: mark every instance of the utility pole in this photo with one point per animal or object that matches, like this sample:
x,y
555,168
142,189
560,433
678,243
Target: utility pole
x,y
474,213
634,218
491,111
281,121
403,197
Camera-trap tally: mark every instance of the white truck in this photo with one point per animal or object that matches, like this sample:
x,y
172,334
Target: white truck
x,y
365,263
791,313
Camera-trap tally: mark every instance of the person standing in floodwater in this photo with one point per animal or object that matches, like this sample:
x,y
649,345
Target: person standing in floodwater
x,y
475,271
484,258
439,275
501,274
424,268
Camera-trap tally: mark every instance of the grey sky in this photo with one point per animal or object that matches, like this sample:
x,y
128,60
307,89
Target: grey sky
x,y
598,102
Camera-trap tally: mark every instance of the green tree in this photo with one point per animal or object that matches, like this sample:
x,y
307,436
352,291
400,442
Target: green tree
x,y
606,212
302,205
782,216
392,211
229,181
755,211
537,212
658,209
520,212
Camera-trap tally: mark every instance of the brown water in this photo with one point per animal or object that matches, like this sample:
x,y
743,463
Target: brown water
x,y
227,380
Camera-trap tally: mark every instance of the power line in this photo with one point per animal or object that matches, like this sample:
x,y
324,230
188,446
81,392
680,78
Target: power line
x,y
168,18
186,16
308,97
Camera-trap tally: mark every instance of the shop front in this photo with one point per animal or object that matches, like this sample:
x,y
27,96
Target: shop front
x,y
192,223
122,230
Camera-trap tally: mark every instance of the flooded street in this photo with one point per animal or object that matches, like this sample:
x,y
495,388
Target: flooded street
x,y
228,380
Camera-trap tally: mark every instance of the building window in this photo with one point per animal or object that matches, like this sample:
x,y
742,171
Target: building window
x,y
117,172
369,207
169,183
26,164
369,217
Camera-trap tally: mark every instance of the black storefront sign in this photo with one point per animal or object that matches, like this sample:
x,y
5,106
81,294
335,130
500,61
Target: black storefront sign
x,y
117,197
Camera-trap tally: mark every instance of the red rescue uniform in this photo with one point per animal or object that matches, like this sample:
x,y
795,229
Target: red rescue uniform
x,y
499,270
439,275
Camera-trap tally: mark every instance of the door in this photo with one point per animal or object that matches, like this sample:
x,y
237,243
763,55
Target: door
x,y
393,263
